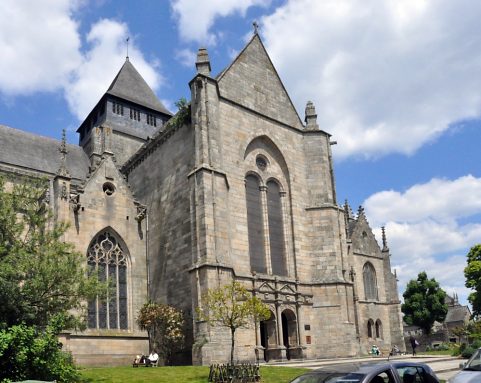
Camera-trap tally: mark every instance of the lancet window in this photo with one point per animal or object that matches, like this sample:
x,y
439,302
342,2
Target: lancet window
x,y
370,282
265,225
108,259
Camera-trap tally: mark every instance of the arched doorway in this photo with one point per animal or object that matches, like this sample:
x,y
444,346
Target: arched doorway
x,y
268,335
289,332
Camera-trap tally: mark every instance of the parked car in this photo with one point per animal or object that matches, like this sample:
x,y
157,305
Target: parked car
x,y
470,371
377,372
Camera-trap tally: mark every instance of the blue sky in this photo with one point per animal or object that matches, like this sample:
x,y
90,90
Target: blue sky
x,y
397,84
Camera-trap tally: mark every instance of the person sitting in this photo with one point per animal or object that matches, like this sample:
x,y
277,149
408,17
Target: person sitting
x,y
375,350
153,358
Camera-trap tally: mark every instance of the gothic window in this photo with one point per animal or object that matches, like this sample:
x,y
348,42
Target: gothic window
x,y
108,260
370,283
378,329
255,225
276,229
370,325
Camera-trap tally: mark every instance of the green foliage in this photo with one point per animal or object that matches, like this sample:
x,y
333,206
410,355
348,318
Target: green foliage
x,y
472,273
183,114
40,274
164,325
424,302
232,306
29,353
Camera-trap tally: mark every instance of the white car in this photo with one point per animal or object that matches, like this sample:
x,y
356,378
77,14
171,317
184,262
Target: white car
x,y
471,370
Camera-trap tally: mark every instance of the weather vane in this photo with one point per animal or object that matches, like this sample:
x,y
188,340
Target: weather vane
x,y
127,43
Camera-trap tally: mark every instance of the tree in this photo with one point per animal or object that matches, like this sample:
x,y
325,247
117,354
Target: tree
x,y
472,273
165,325
40,274
424,302
232,306
27,352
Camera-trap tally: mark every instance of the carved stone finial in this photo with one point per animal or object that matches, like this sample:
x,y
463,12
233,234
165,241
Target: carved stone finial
x,y
360,211
63,171
384,242
311,116
203,62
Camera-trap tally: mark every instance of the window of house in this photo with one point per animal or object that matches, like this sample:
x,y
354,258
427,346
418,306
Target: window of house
x,y
107,258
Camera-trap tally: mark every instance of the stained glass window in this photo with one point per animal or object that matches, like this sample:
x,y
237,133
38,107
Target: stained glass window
x,y
107,258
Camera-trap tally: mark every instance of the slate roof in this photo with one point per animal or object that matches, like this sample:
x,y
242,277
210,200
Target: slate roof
x,y
38,153
130,85
457,314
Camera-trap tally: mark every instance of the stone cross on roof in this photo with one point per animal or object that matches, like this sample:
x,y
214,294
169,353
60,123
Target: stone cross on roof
x,y
256,27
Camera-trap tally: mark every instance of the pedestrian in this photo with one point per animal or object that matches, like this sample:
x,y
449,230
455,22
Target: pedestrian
x,y
414,344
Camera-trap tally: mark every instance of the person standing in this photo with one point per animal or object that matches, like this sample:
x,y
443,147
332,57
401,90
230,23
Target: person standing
x,y
414,344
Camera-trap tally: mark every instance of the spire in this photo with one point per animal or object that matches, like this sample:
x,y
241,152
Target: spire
x,y
347,209
63,171
127,46
311,116
384,242
203,62
131,86
360,212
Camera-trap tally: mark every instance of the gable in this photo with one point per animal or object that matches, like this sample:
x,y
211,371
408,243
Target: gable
x,y
363,239
252,81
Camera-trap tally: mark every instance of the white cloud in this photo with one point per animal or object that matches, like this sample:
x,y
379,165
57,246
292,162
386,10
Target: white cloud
x,y
107,43
195,18
186,57
40,45
428,228
385,76
41,51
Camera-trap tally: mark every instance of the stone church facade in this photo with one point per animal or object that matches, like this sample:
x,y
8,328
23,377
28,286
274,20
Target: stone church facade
x,y
239,188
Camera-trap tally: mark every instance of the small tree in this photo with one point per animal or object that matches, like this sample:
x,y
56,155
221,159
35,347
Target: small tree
x,y
232,306
424,302
472,273
165,325
40,274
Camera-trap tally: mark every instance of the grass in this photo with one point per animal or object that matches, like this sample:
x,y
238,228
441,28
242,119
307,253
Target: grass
x,y
187,374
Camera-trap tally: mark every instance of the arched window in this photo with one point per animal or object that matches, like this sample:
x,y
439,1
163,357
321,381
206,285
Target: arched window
x,y
108,259
370,325
378,329
370,283
276,229
255,225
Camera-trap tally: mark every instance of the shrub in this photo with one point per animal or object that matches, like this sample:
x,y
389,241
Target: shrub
x,y
29,353
468,351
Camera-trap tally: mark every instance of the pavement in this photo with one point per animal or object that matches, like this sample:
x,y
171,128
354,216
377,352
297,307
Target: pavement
x,y
444,366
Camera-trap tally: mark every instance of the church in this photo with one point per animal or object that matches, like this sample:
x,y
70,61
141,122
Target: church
x,y
235,186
